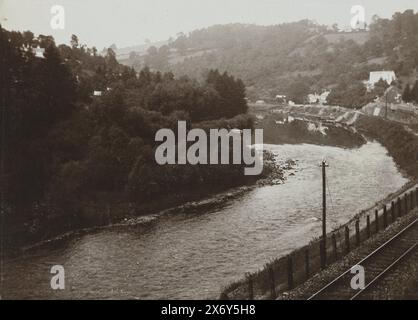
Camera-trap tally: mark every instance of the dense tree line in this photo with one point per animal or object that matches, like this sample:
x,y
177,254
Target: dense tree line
x,y
355,95
67,148
396,39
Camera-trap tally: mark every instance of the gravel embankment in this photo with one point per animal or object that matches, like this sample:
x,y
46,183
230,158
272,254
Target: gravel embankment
x,y
400,283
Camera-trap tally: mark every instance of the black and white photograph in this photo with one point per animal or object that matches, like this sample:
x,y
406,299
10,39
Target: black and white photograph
x,y
196,150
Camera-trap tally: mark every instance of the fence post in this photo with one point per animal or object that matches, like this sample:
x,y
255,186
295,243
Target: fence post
x,y
368,227
272,283
290,272
392,211
406,203
376,219
385,217
334,245
416,196
399,207
411,201
250,287
358,233
307,267
323,254
347,239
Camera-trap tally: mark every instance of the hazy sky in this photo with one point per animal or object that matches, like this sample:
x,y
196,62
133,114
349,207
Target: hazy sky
x,y
129,22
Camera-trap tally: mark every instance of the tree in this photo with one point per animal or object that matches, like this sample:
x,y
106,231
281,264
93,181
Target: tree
x,y
351,95
407,94
152,51
66,148
111,59
298,90
181,43
231,92
380,87
133,55
414,92
74,41
157,58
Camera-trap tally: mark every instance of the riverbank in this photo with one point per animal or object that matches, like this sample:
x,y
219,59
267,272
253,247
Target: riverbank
x,y
281,128
401,144
192,254
280,276
164,256
112,211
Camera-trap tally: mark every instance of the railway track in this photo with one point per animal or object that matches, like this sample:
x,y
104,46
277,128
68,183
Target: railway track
x,y
376,265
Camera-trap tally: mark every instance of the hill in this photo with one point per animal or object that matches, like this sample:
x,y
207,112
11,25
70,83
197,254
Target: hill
x,y
293,59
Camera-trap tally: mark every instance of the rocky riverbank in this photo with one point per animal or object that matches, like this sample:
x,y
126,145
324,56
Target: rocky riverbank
x,y
118,213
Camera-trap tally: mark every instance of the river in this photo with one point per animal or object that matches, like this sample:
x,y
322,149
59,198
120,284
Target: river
x,y
192,255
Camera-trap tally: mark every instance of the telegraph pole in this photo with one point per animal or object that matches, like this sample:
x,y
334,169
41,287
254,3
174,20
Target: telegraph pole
x,y
3,148
324,165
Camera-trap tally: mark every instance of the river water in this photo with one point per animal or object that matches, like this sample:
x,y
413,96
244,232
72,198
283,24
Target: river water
x,y
191,256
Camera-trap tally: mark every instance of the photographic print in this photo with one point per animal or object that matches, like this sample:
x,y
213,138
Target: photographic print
x,y
190,151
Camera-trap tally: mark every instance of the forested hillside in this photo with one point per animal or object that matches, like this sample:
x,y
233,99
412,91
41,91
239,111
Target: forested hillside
x,y
80,130
295,59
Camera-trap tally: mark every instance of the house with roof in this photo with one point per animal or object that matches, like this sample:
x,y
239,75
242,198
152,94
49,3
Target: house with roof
x,y
376,76
316,98
281,98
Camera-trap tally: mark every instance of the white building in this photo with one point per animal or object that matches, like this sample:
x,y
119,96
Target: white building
x,y
39,52
318,98
236,131
376,76
345,29
281,98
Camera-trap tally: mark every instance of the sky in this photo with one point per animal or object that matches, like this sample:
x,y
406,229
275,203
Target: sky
x,y
102,23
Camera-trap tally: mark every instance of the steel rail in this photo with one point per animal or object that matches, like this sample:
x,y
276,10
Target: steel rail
x,y
368,257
